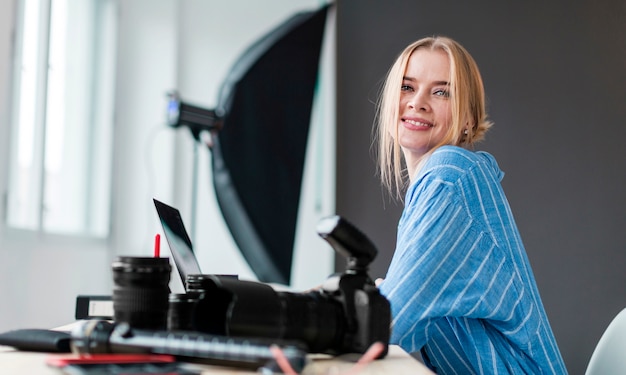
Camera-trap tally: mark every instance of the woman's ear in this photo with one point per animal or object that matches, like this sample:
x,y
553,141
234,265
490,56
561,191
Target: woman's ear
x,y
467,133
466,128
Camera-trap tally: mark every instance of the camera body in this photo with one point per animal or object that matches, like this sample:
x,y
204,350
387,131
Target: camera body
x,y
347,314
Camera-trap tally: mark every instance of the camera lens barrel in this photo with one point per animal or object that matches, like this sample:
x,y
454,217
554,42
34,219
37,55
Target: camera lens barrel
x,y
232,307
141,290
316,320
181,309
228,306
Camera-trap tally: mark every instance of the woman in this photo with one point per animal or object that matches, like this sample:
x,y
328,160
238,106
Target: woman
x,y
460,284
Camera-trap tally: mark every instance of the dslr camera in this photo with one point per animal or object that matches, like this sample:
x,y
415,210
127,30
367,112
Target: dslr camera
x,y
346,314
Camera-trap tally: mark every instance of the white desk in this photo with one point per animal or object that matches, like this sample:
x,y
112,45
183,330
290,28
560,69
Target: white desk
x,y
397,362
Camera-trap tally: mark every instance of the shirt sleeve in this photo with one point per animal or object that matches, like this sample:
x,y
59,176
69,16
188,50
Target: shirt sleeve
x,y
444,265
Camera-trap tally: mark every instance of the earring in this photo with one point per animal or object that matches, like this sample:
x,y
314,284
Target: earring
x,y
465,131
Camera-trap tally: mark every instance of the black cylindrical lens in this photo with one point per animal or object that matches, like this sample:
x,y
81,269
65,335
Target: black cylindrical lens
x,y
181,310
314,319
140,291
214,308
232,307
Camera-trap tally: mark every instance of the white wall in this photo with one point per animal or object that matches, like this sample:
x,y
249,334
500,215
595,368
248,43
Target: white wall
x,y
187,45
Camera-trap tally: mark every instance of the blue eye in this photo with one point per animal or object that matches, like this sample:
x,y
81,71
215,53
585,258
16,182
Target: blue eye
x,y
406,88
443,93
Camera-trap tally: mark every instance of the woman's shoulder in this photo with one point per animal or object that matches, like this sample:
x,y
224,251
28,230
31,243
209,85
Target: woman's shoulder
x,y
455,154
457,161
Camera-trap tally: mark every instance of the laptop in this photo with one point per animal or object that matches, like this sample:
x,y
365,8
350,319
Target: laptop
x,y
178,241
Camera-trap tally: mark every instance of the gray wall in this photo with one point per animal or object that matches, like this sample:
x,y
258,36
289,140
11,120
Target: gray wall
x,y
555,76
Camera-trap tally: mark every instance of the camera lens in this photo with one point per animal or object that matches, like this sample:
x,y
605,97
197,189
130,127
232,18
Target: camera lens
x,y
140,291
316,320
232,307
181,309
211,311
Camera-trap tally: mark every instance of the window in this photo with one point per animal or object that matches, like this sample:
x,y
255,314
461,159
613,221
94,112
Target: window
x,y
62,117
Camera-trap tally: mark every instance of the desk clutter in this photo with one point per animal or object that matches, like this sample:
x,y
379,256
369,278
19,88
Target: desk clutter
x,y
220,319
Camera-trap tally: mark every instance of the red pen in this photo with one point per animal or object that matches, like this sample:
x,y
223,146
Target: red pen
x,y
157,245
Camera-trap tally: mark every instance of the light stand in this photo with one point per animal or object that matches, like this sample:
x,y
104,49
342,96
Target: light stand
x,y
197,119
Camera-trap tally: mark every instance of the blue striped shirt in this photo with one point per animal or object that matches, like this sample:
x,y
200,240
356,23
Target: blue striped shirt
x,y
460,284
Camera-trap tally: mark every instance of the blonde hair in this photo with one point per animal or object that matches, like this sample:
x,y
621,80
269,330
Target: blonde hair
x,y
467,97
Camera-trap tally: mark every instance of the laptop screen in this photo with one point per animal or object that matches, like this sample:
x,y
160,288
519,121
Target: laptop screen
x,y
178,241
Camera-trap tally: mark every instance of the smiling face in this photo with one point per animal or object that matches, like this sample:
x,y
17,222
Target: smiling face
x,y
425,107
433,95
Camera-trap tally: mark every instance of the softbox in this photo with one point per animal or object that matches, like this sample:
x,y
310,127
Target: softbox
x,y
258,155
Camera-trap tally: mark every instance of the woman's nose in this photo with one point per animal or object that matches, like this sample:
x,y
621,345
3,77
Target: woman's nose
x,y
418,102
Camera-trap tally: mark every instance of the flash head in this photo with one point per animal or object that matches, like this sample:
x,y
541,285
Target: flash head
x,y
196,118
348,241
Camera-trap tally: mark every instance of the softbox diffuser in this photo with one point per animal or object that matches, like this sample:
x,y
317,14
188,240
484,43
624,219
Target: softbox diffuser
x,y
258,156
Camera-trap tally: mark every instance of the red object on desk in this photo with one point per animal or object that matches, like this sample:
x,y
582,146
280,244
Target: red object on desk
x,y
157,245
76,359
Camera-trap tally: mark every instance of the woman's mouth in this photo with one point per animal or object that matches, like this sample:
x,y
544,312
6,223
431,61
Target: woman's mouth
x,y
417,123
